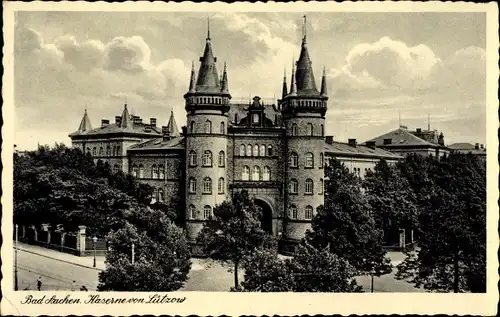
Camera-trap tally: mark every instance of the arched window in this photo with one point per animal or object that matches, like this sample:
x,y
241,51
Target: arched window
x,y
192,126
207,212
245,174
101,151
322,130
256,173
236,118
161,172
294,186
222,128
249,150
321,160
154,172
255,150
141,171
294,160
192,158
161,196
269,150
134,170
207,185
294,129
116,168
308,213
267,173
114,151
222,159
309,160
118,151
310,130
208,126
221,186
191,212
94,152
321,186
192,186
262,150
88,150
292,212
108,150
309,186
242,150
207,158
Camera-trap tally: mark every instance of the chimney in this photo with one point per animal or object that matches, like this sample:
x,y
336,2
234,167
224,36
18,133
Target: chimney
x,y
371,144
104,122
165,133
147,128
387,141
152,122
118,120
419,130
476,146
352,142
482,146
184,130
329,139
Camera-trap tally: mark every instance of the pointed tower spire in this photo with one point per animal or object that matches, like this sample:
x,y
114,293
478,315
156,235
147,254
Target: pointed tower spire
x,y
306,84
293,85
192,82
324,91
208,80
284,90
172,126
224,82
85,123
126,122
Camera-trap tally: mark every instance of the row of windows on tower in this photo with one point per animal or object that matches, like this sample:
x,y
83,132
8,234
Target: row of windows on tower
x,y
206,159
157,171
293,187
192,213
255,150
159,195
208,127
208,100
309,160
256,174
110,151
309,103
293,213
207,186
309,130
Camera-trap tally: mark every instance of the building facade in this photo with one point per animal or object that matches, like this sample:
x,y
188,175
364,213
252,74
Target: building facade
x,y
277,152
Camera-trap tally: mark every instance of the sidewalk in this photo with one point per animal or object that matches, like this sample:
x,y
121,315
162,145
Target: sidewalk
x,y
84,261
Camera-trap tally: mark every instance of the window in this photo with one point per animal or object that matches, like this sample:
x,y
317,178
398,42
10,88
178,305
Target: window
x,y
294,160
249,150
141,171
191,212
322,130
255,150
321,186
236,118
114,151
207,212
108,150
308,214
269,150
208,126
294,186
310,130
192,186
245,175
267,173
309,186
222,159
161,172
134,170
94,152
255,118
118,152
88,150
101,151
221,186
256,173
207,158
116,168
192,158
222,128
192,126
154,172
207,185
309,160
242,150
321,160
294,129
161,196
292,212
262,150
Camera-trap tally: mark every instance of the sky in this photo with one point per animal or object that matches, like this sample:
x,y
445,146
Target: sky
x,y
382,69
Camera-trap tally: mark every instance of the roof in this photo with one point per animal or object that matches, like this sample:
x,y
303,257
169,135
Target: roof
x,y
208,80
172,128
177,143
85,123
344,149
462,146
113,128
401,138
306,84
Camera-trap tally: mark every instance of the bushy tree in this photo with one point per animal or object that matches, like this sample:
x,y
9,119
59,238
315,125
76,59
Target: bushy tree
x,y
345,224
234,232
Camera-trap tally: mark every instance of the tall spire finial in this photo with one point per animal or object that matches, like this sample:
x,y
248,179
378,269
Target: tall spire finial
x,y
304,29
208,28
293,86
428,121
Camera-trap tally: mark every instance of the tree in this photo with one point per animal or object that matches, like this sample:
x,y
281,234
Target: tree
x,y
309,270
346,226
452,228
234,232
161,255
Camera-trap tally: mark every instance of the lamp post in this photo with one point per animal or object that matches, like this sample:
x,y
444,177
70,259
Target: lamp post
x,y
133,253
94,242
372,273
16,287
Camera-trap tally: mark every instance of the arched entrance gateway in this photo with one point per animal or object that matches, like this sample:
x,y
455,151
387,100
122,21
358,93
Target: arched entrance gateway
x,y
267,216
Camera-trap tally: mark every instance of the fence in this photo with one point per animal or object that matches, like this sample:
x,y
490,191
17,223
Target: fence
x,y
76,243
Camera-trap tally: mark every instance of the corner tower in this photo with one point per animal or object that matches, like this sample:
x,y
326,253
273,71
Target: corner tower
x,y
303,110
207,106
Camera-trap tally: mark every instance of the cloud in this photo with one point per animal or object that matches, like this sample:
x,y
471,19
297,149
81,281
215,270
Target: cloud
x,y
83,56
128,54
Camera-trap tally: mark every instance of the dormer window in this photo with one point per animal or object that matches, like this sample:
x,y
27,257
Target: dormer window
x,y
255,118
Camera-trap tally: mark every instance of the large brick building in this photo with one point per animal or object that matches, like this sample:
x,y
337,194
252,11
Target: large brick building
x,y
277,152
